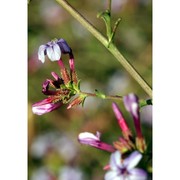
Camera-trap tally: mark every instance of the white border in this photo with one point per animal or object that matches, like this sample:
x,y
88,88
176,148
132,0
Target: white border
x,y
166,80
13,90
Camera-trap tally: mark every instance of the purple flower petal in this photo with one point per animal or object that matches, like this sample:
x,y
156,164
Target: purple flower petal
x,y
137,174
132,160
45,88
124,168
65,49
113,175
87,138
115,160
53,49
131,104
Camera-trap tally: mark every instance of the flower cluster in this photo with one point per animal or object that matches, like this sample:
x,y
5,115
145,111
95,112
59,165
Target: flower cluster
x,y
122,168
128,150
127,142
65,87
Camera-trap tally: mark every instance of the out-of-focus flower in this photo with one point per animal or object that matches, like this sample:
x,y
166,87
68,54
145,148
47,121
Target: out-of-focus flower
x,y
42,174
124,169
54,142
66,147
69,173
132,105
41,145
146,114
94,140
53,50
118,82
33,64
116,5
54,18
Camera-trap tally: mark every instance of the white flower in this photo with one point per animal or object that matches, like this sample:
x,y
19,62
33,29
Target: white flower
x,y
53,50
125,169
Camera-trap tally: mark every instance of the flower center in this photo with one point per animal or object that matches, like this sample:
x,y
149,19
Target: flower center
x,y
124,172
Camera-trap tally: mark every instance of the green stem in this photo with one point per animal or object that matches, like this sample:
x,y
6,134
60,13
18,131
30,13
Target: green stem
x,y
112,48
109,5
116,97
110,28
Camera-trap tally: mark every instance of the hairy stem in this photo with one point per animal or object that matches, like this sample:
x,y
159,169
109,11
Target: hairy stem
x,y
112,48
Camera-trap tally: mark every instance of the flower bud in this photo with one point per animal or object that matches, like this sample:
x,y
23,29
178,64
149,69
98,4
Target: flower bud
x,y
94,141
132,105
44,106
77,101
121,121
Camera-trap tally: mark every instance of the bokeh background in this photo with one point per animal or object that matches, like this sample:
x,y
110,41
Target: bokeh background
x,y
53,150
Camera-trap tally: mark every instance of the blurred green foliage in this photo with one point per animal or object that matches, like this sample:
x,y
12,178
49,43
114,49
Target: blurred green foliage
x,y
96,68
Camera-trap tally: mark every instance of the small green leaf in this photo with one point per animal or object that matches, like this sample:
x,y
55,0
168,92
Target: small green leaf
x,y
76,87
106,16
100,94
69,85
114,30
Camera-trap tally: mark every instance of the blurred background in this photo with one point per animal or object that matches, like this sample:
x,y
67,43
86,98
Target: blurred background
x,y
53,150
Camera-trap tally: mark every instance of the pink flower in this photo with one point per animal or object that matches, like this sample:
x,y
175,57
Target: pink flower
x,y
132,105
94,141
45,106
121,121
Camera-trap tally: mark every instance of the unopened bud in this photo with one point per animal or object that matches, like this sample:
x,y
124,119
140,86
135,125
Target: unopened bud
x,y
65,76
75,102
121,121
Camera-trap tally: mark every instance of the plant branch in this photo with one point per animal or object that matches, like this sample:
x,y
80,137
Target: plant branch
x,y
116,97
142,102
109,5
112,48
